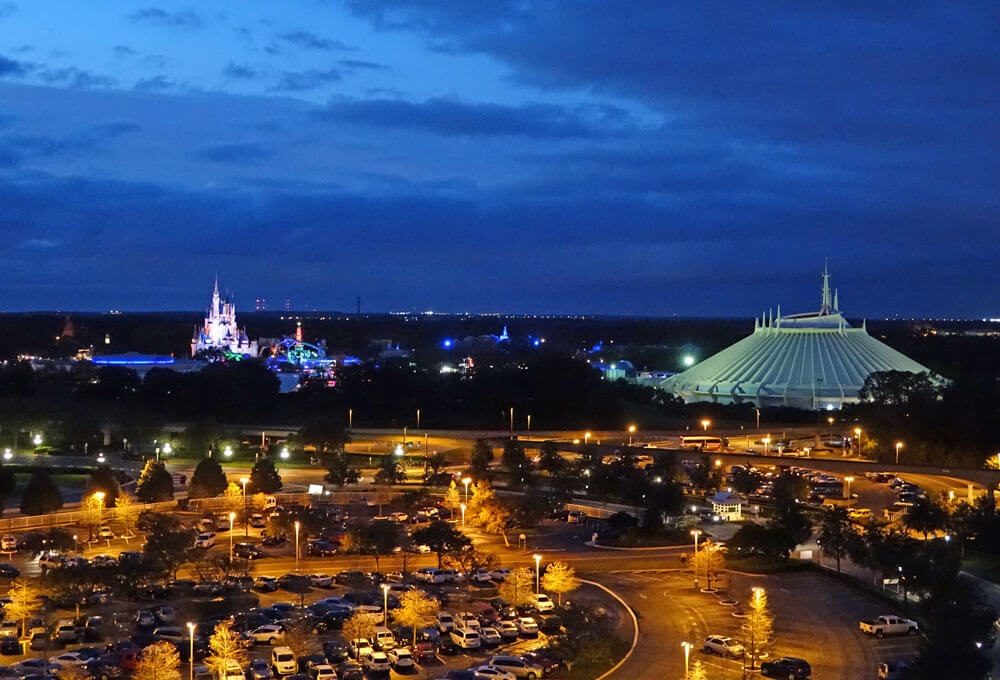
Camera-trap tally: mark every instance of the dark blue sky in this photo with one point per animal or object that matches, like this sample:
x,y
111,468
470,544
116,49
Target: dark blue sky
x,y
691,158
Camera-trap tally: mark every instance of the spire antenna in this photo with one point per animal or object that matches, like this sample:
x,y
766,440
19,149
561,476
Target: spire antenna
x,y
827,304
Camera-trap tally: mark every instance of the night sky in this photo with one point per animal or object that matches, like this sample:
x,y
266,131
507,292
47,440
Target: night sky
x,y
655,158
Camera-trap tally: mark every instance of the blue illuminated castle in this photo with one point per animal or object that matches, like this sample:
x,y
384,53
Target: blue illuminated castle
x,y
220,332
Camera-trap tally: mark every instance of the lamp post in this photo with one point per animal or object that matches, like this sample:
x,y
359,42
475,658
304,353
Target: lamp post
x,y
350,418
705,423
99,495
512,420
757,411
529,422
586,437
463,506
767,441
465,481
899,445
385,604
696,533
228,451
538,564
191,627
848,479
297,525
418,419
687,657
857,433
285,453
631,431
246,527
232,518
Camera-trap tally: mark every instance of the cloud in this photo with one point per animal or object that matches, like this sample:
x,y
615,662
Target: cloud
x,y
75,78
12,67
301,81
361,64
157,16
155,83
451,117
92,140
123,51
237,153
239,71
311,41
7,9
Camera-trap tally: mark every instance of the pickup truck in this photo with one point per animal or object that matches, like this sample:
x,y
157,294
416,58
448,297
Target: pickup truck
x,y
889,625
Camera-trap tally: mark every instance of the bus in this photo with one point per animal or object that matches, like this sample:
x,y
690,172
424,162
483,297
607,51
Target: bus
x,y
703,443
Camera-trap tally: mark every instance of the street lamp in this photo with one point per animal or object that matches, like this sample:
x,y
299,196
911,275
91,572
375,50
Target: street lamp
x,y
687,656
232,517
37,440
228,451
246,527
191,627
385,604
705,423
696,533
586,438
285,453
857,433
463,506
167,448
767,442
7,455
538,563
99,495
848,479
418,419
631,431
466,481
899,445
297,525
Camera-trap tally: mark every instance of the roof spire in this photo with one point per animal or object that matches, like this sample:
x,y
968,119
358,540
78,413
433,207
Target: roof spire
x,y
827,304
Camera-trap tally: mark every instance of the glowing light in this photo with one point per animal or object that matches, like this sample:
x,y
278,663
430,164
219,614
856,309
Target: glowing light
x,y
688,360
37,440
167,448
284,453
447,343
228,451
399,450
7,455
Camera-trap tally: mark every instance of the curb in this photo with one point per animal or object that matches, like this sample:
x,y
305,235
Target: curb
x,y
591,544
635,627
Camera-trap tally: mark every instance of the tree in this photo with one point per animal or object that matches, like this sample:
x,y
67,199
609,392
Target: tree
x,y
709,560
835,533
550,460
769,542
264,478
360,625
41,495
326,435
560,578
225,646
93,511
519,587
416,610
168,543
389,471
789,515
698,672
925,516
494,518
340,472
452,497
158,661
757,626
479,461
24,602
441,538
103,480
126,510
377,538
470,560
234,497
515,462
155,483
208,479
299,635
895,388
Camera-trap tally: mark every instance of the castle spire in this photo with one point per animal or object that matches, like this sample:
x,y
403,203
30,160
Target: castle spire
x,y
827,303
836,301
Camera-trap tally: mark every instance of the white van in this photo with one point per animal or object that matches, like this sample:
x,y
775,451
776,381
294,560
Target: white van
x,y
232,671
283,661
205,540
384,639
431,575
466,638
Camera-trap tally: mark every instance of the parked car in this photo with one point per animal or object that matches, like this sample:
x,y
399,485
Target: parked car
x,y
105,532
466,638
321,581
519,666
9,571
259,670
271,634
508,630
359,647
892,670
66,631
205,540
377,662
400,658
490,636
8,543
323,672
247,551
265,584
283,661
723,646
492,673
786,667
889,625
543,603
526,625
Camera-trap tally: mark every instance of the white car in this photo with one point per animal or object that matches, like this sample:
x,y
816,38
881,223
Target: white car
x,y
10,628
70,660
105,532
467,620
377,662
492,673
400,658
270,634
490,635
508,630
445,621
283,660
466,638
517,666
399,516
526,625
481,576
321,580
543,603
359,647
500,574
324,672
723,646
51,561
35,667
8,543
205,540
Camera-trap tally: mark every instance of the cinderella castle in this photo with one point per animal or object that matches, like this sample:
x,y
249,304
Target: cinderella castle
x,y
220,332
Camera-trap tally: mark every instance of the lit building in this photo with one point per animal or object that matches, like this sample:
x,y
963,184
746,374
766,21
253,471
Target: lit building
x,y
220,332
812,361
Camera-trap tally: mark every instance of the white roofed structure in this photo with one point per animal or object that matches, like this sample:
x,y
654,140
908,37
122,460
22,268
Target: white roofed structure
x,y
811,361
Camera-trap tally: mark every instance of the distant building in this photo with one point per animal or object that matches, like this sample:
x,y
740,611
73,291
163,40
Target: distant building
x,y
220,332
810,361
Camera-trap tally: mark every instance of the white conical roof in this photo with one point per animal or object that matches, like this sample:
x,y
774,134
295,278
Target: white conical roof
x,y
811,361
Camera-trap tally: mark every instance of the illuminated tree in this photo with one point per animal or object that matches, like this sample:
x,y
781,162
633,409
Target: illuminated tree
x,y
299,637
224,646
24,602
93,512
709,561
155,483
417,610
757,626
234,497
126,510
560,578
158,661
697,672
518,587
360,625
